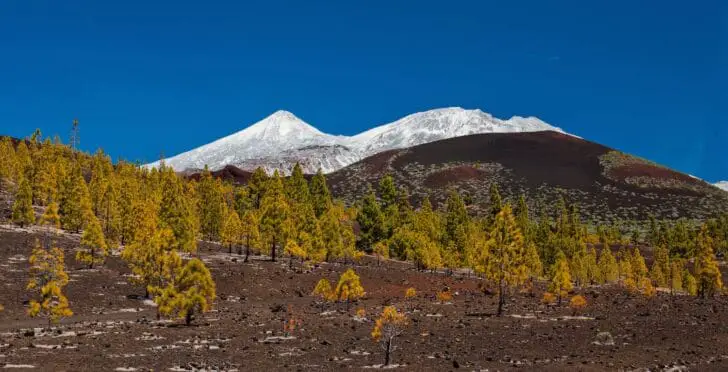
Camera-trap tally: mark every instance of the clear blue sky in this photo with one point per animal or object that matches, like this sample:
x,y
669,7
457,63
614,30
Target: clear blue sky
x,y
145,77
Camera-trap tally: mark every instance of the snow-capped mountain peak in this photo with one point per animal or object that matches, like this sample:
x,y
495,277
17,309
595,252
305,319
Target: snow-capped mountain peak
x,y
278,126
433,125
282,139
722,185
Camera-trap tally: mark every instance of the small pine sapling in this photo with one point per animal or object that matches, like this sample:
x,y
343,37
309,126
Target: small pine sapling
x,y
577,304
444,297
548,298
48,276
349,288
323,291
388,326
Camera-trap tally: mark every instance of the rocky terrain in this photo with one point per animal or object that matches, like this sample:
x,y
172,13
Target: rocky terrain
x,y
115,329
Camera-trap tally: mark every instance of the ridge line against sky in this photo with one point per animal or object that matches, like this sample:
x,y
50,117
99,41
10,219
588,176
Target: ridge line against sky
x,y
151,77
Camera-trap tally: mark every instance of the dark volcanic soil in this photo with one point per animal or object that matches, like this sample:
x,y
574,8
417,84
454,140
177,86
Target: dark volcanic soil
x,y
114,330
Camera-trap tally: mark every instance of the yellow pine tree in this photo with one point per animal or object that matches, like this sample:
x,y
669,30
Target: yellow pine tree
x,y
323,291
45,181
250,232
560,277
294,251
176,212
23,213
47,278
50,216
505,260
708,276
637,263
149,255
533,261
676,275
275,219
690,285
75,204
388,326
608,266
94,249
231,230
24,162
381,251
349,288
8,163
191,292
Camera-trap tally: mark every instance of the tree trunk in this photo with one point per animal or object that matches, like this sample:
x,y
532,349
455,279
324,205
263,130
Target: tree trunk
x,y
188,318
387,352
230,249
501,299
273,251
247,252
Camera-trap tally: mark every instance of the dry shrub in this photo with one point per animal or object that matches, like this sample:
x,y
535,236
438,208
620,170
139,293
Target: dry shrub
x,y
577,303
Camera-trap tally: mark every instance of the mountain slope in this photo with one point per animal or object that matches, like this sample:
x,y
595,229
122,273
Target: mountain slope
x,y
282,139
279,132
605,183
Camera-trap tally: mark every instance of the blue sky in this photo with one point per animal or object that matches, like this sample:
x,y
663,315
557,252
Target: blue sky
x,y
146,77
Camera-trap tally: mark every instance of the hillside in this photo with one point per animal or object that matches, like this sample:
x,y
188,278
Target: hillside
x,y
605,183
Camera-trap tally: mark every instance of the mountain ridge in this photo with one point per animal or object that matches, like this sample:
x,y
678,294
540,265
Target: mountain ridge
x,y
282,139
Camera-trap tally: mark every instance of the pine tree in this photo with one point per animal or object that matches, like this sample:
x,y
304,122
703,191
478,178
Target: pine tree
x,y
191,292
381,250
275,223
101,170
323,290
560,277
495,201
387,327
211,206
48,277
637,263
660,270
231,230
522,218
349,287
45,181
297,187
8,163
23,162
94,247
608,266
295,251
505,260
532,261
23,213
149,255
676,275
689,283
371,222
456,217
257,186
176,210
320,195
708,276
128,199
250,232
109,212
51,217
75,203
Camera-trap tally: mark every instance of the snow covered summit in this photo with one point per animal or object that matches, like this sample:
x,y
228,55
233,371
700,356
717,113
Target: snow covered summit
x,y
722,185
282,139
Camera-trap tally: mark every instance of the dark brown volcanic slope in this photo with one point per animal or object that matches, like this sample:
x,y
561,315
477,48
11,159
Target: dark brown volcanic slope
x,y
543,165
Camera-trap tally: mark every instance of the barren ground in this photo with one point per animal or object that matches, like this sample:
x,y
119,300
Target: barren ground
x,y
114,329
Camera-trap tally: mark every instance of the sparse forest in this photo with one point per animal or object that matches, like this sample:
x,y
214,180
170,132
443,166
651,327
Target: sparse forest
x,y
155,221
